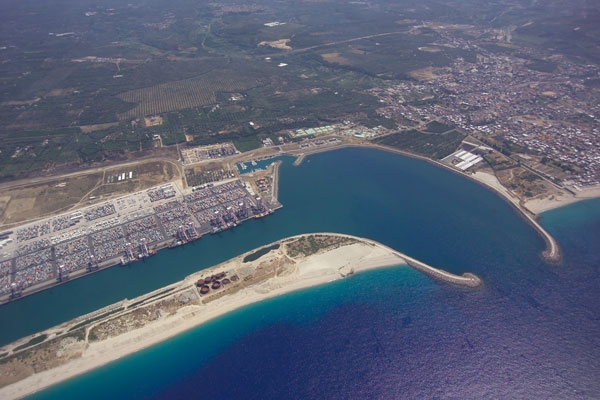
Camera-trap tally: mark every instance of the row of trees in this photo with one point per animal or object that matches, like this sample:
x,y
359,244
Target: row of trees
x,y
179,95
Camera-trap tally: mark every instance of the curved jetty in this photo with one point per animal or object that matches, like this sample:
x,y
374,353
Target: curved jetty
x,y
44,359
467,279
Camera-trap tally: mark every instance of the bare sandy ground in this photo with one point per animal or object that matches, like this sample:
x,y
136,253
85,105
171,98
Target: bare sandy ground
x,y
309,271
493,182
538,206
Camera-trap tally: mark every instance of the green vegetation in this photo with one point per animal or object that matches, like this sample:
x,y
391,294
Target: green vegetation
x,y
99,317
210,70
438,127
78,334
247,143
32,342
185,94
312,244
572,36
498,162
564,166
436,146
507,148
542,66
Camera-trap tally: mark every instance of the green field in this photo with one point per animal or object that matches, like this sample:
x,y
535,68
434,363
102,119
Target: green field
x,y
436,146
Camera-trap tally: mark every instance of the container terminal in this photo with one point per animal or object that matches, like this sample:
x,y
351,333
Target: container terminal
x,y
45,253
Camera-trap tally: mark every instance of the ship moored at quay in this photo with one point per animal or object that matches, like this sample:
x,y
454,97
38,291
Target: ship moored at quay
x,y
121,231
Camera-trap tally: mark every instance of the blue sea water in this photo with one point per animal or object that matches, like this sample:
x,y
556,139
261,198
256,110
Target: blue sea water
x,y
532,331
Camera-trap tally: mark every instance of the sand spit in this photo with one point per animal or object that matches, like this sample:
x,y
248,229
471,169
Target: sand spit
x,y
115,331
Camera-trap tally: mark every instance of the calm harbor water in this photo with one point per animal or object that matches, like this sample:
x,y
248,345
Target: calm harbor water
x,y
533,330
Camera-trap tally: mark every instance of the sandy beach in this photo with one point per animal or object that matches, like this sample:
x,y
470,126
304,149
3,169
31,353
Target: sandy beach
x,y
492,182
538,206
279,271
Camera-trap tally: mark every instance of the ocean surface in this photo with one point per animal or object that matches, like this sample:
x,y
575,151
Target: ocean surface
x,y
532,331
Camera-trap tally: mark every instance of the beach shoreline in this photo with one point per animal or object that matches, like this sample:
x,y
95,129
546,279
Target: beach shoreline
x,y
291,271
538,206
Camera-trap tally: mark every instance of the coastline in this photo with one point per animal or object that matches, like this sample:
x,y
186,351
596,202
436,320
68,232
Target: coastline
x,y
551,254
279,269
538,206
534,206
168,240
529,210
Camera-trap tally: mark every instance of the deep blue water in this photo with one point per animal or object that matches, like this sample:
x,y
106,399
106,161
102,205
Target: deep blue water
x,y
533,330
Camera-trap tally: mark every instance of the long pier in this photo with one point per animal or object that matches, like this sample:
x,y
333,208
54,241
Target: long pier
x,y
467,279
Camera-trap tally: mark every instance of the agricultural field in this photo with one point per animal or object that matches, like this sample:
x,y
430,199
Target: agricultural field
x,y
77,82
184,94
391,56
436,146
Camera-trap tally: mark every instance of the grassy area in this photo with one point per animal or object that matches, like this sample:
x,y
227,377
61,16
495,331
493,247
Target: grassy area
x,y
244,144
78,334
542,66
89,321
32,342
436,146
438,127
